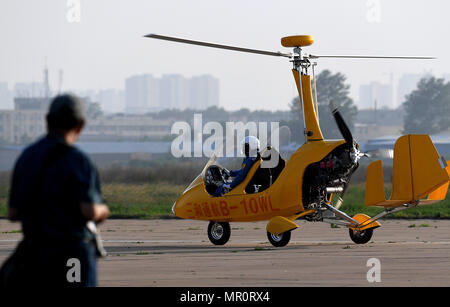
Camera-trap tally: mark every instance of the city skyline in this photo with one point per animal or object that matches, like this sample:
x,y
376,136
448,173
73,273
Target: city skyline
x,y
140,94
147,93
390,94
106,44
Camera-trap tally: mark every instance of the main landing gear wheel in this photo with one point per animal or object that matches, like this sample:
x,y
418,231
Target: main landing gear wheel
x,y
281,240
361,237
219,232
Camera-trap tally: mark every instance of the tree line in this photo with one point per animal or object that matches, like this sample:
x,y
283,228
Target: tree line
x,y
426,110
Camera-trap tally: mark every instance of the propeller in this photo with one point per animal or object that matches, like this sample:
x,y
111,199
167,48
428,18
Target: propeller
x,y
343,128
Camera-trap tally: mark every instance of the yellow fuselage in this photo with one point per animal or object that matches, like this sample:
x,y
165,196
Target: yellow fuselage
x,y
283,198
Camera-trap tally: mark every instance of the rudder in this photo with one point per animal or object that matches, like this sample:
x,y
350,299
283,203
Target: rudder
x,y
418,171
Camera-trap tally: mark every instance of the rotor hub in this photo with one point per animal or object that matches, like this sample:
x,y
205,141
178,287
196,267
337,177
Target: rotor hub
x,y
297,41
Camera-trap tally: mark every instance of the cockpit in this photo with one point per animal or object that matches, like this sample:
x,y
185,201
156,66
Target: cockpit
x,y
268,168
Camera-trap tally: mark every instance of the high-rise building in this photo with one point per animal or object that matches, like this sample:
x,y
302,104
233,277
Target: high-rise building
x,y
204,92
144,93
30,89
175,92
32,103
141,94
111,100
375,94
6,97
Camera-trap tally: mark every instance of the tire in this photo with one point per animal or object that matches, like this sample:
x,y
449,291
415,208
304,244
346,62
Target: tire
x,y
280,240
361,237
219,232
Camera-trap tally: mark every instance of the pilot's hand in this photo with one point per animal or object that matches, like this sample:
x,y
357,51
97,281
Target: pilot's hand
x,y
223,189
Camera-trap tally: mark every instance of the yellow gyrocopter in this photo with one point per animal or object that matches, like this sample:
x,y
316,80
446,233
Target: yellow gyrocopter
x,y
317,173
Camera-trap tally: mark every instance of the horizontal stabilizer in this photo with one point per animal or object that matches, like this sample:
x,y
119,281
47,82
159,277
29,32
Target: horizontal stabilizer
x,y
374,184
375,187
418,171
438,194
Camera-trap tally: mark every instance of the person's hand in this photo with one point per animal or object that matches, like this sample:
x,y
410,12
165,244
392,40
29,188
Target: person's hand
x,y
95,212
226,187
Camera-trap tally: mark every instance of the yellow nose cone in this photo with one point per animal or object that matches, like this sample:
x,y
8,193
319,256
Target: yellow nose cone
x,y
297,41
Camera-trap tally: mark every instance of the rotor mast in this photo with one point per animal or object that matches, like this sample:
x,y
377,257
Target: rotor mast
x,y
303,81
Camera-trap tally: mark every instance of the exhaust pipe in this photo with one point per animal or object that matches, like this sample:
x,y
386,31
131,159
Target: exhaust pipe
x,y
334,190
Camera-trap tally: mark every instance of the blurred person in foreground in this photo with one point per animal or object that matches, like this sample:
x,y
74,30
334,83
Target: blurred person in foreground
x,y
55,194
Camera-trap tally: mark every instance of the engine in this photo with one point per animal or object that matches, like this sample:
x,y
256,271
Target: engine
x,y
329,175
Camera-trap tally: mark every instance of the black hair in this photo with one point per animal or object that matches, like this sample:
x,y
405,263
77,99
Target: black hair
x,y
65,113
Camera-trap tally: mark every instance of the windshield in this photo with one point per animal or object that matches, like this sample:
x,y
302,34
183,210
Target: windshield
x,y
230,160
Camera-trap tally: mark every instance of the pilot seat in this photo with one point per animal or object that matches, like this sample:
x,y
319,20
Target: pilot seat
x,y
264,177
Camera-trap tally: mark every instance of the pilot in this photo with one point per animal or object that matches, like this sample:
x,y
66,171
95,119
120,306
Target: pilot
x,y
250,147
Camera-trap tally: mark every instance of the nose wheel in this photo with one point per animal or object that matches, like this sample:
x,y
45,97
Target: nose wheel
x,y
219,232
280,240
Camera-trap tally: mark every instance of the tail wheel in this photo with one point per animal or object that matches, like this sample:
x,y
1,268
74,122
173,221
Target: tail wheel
x,y
361,237
219,232
280,240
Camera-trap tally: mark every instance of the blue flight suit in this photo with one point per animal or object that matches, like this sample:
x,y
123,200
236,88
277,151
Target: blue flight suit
x,y
238,175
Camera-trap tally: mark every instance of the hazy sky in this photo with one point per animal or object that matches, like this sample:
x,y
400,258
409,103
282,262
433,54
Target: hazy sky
x,y
106,45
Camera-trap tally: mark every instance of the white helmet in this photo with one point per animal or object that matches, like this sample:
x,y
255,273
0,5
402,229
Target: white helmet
x,y
250,146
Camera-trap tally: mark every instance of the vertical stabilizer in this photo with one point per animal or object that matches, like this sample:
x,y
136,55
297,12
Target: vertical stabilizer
x,y
418,171
374,184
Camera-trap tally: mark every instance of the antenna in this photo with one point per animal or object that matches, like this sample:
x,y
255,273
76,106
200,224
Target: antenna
x,y
61,74
375,109
46,81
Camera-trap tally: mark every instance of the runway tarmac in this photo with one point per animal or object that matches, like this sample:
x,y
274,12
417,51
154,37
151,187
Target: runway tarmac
x,y
178,253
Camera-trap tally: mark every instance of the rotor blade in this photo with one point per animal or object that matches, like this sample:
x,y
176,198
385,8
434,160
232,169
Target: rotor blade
x,y
312,56
205,44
